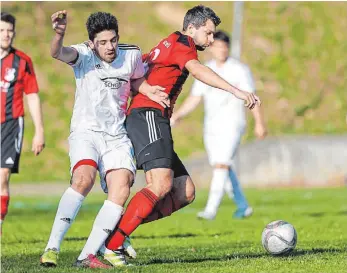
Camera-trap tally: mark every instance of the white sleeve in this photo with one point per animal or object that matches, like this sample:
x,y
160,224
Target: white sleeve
x,y
83,51
139,70
199,88
247,81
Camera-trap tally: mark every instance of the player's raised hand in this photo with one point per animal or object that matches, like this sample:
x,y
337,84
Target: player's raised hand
x,y
59,21
156,93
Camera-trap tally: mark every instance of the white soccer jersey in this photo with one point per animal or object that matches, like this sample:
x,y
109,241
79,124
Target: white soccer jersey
x,y
222,109
103,89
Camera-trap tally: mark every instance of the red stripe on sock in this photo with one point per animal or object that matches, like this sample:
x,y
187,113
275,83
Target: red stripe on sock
x,y
140,206
5,199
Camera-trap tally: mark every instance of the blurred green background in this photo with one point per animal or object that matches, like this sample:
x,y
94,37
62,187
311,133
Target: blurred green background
x,y
297,52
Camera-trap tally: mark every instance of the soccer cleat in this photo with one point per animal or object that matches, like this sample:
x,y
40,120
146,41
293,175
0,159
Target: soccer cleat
x,y
116,257
91,262
243,213
49,258
206,215
128,248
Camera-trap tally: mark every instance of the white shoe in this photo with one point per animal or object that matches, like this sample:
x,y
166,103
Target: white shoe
x,y
128,248
206,215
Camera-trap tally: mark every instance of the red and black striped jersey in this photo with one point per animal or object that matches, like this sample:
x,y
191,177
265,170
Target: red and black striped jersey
x,y
166,68
17,76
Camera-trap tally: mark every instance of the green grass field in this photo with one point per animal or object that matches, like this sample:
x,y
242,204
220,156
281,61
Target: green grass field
x,y
181,243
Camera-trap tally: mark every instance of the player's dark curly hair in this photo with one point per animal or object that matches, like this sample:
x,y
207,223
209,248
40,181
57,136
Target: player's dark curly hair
x,y
222,36
8,18
198,16
100,21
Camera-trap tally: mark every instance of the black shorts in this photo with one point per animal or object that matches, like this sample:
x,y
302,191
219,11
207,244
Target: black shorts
x,y
11,143
150,134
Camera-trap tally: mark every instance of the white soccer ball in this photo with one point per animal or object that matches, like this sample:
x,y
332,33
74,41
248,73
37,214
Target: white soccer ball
x,y
279,237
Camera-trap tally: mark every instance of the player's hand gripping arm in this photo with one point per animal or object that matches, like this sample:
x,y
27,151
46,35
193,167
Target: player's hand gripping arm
x,y
187,107
58,51
209,77
36,113
155,93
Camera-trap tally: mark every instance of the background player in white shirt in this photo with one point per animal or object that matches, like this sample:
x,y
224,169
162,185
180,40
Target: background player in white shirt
x,y
224,125
104,72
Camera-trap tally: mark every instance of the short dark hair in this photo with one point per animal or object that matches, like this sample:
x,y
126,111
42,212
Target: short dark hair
x,y
198,16
8,18
100,21
222,36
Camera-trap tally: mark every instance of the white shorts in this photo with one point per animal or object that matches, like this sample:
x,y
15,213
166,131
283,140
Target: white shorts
x,y
108,152
221,148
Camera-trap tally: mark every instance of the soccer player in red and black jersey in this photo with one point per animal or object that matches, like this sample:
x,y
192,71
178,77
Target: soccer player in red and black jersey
x,y
17,77
169,186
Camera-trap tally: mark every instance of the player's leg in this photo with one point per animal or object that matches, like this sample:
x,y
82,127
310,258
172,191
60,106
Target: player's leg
x,y
150,134
83,159
5,193
231,146
142,204
181,195
118,166
218,159
215,196
243,209
11,145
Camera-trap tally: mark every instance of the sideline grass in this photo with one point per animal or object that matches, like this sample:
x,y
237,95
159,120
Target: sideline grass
x,y
181,243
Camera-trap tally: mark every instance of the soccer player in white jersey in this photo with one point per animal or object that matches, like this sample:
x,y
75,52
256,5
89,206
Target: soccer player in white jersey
x,y
224,125
104,71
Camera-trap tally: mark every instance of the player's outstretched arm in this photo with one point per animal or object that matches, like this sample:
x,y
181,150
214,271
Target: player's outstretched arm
x,y
208,76
188,106
155,93
58,51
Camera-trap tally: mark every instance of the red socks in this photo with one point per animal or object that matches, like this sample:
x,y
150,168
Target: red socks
x,y
4,206
164,208
140,206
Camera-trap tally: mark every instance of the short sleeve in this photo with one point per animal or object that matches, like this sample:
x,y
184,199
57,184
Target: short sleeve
x,y
139,70
199,88
83,51
182,54
30,82
247,82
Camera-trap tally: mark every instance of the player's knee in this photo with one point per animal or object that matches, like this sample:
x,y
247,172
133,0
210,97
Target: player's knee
x,y
83,182
190,191
221,166
5,172
5,176
119,183
162,187
160,181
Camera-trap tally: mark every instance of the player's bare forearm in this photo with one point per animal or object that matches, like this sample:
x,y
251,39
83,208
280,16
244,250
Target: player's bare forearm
x,y
58,51
187,107
35,111
34,104
257,115
57,45
137,86
208,76
260,127
154,92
